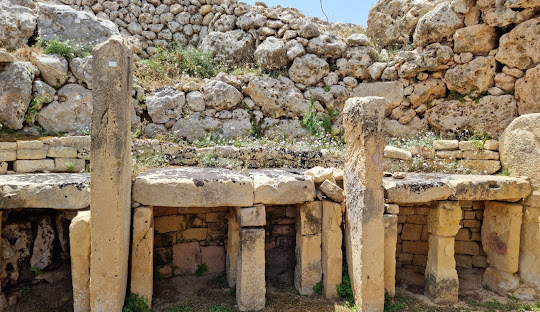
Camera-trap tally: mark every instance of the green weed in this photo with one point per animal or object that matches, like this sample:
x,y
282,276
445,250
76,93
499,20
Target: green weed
x,y
158,276
201,270
26,293
136,303
232,292
33,110
318,288
219,308
66,49
36,270
391,306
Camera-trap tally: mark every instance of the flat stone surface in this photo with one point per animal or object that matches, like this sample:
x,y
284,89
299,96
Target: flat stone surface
x,y
280,187
424,187
193,187
47,190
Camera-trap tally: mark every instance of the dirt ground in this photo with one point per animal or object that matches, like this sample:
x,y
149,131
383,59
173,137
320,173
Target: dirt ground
x,y
211,293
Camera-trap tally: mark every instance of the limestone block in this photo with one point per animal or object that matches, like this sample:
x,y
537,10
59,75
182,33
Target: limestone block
x,y
332,255
8,146
250,216
501,231
363,123
69,165
415,189
481,166
79,240
8,155
485,187
445,144
62,152
58,191
193,187
3,167
391,209
441,279
250,279
111,173
333,191
444,218
280,187
142,253
476,39
481,155
309,218
390,241
529,258
214,258
42,252
187,256
233,238
391,91
308,270
31,153
30,144
500,282
320,174
26,166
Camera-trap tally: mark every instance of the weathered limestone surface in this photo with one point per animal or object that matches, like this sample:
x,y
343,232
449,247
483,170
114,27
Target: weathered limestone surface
x,y
332,191
332,255
142,253
308,270
362,121
309,220
529,257
193,187
441,279
500,282
79,240
444,218
390,241
419,187
501,230
52,190
250,280
279,187
233,235
250,216
111,173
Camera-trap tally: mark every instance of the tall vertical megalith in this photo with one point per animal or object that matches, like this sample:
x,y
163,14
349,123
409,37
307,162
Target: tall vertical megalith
x,y
110,184
362,120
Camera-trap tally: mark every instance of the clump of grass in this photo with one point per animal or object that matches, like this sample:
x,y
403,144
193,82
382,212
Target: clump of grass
x,y
36,270
33,110
219,308
144,161
66,49
513,304
318,288
344,290
136,303
201,270
345,30
391,306
169,64
422,139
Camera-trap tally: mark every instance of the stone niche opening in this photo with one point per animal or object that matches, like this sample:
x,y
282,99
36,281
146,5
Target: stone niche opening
x,y
413,245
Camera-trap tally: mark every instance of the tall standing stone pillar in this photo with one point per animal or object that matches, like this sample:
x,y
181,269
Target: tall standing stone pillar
x,y
233,237
332,255
519,148
250,266
142,253
110,184
441,280
308,269
390,245
362,120
79,241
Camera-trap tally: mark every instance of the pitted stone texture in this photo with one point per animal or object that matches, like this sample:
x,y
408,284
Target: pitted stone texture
x,y
271,54
219,95
165,104
441,279
17,24
53,68
426,91
58,191
437,25
519,47
327,46
15,93
193,187
70,116
501,228
492,114
477,39
332,191
82,69
280,187
142,252
477,75
231,47
308,70
500,14
527,93
444,218
250,216
42,253
79,234
64,23
415,189
390,241
394,21
250,280
392,92
276,97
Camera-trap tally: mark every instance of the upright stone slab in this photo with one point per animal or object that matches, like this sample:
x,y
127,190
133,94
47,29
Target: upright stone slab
x,y
308,269
441,281
332,255
142,253
79,241
233,234
110,184
250,279
390,243
362,121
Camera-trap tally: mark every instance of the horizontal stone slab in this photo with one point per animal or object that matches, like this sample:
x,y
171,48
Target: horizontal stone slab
x,y
47,190
193,187
280,187
422,188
